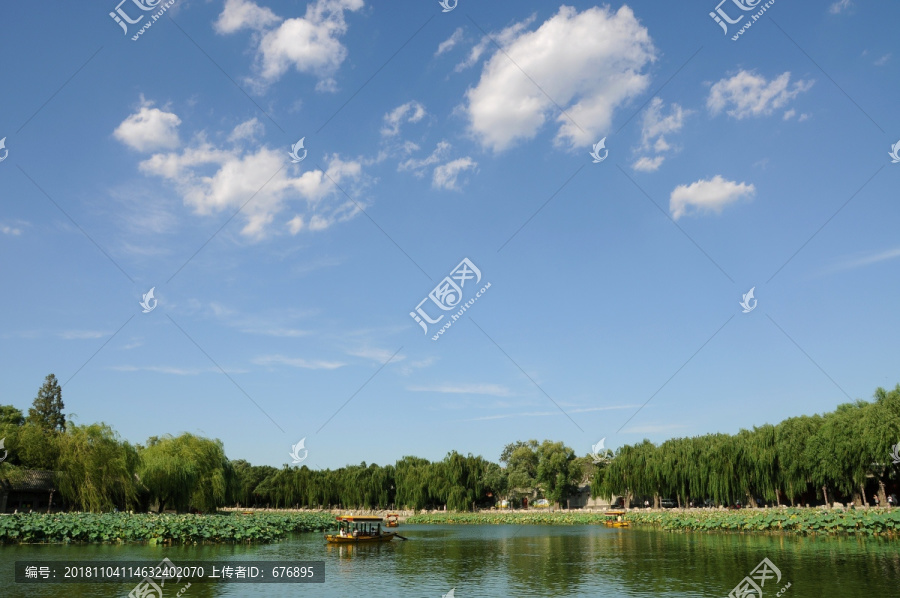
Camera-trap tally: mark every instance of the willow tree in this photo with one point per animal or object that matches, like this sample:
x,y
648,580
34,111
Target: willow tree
x,y
794,465
413,475
96,469
882,432
186,471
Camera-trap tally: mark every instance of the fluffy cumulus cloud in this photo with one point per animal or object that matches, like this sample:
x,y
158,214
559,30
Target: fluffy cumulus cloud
x,y
149,129
656,125
411,112
749,94
259,181
311,44
707,196
589,80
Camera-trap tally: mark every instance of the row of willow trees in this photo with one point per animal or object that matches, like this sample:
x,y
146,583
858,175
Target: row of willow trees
x,y
548,470
844,455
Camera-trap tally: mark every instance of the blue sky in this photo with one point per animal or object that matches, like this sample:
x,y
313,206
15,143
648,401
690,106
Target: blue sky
x,y
163,162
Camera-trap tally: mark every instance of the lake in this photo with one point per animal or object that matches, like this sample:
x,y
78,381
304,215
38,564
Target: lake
x,y
510,560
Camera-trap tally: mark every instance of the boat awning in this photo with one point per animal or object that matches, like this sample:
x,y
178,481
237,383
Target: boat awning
x,y
360,518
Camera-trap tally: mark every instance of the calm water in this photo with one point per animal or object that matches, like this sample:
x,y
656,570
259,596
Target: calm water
x,y
507,560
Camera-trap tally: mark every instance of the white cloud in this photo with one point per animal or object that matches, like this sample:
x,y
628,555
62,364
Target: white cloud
x,y
411,112
450,43
310,44
249,130
10,230
297,362
243,14
789,114
707,195
748,94
418,166
149,129
495,390
212,180
839,6
803,117
646,164
446,175
589,79
883,60
655,125
504,38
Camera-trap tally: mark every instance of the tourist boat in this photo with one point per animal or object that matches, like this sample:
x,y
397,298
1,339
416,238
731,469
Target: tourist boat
x,y
393,520
615,518
358,529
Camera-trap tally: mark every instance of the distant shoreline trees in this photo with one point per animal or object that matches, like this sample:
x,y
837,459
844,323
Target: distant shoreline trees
x,y
842,454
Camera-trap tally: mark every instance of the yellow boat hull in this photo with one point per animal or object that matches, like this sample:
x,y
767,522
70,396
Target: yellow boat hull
x,y
335,539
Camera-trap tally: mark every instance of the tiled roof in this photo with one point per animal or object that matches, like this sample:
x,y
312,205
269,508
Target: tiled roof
x,y
28,480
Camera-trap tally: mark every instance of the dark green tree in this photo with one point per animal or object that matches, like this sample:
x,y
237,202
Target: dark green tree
x,y
10,416
47,409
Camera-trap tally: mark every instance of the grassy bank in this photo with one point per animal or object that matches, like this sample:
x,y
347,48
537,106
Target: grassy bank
x,y
62,528
803,521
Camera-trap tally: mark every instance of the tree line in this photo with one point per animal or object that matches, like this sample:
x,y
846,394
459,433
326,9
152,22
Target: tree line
x,y
838,455
844,455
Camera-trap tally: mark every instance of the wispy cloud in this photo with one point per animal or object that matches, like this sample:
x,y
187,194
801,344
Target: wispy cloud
x,y
298,362
859,262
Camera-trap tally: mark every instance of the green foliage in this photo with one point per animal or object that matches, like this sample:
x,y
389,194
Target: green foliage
x,y
10,416
95,469
839,451
157,529
47,409
186,471
558,471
